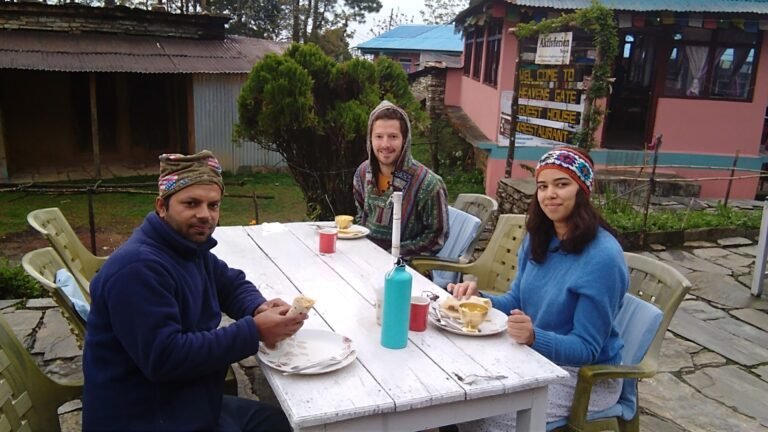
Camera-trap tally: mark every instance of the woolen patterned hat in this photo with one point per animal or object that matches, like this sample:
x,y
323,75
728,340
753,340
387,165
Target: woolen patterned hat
x,y
571,162
178,171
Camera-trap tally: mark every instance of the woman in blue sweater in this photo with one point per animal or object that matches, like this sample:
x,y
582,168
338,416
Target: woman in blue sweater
x,y
569,286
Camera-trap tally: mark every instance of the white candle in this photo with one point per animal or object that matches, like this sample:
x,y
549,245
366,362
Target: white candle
x,y
397,204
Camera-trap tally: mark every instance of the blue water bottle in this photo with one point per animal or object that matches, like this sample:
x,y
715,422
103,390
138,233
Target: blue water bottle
x,y
397,307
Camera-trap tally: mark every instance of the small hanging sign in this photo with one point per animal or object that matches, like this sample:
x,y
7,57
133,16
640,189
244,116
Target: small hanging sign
x,y
554,48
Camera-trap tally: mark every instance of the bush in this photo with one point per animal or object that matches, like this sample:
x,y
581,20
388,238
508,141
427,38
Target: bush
x,y
15,283
625,217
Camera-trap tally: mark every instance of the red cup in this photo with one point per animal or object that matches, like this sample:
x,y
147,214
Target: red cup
x,y
419,308
328,240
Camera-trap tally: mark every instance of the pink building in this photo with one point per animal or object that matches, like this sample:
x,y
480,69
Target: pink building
x,y
694,72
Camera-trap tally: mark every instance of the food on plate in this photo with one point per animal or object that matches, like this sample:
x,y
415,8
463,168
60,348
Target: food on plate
x,y
301,304
344,221
450,305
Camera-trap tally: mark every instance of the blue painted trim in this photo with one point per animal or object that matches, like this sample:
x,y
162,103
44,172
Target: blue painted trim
x,y
626,157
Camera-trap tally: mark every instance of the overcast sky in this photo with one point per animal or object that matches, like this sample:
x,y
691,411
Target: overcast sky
x,y
407,7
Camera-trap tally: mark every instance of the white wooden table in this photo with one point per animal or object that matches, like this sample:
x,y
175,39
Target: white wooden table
x,y
382,390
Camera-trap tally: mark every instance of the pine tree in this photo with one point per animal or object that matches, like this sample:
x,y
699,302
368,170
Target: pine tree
x,y
314,111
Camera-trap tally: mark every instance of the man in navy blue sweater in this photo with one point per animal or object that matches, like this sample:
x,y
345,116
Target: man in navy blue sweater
x,y
154,357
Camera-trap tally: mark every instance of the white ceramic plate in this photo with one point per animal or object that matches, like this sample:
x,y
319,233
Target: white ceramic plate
x,y
354,232
307,346
495,323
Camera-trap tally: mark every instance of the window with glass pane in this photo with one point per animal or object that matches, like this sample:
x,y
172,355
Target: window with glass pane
x,y
493,52
732,75
477,61
469,42
713,64
406,63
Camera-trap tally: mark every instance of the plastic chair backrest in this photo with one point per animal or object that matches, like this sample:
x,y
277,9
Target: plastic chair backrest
x,y
54,226
463,228
29,400
659,284
497,266
42,265
637,323
479,205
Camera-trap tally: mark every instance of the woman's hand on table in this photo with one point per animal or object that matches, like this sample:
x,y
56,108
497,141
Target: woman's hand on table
x,y
274,326
463,289
520,327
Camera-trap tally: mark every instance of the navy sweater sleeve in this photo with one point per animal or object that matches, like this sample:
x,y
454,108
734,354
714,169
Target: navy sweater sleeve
x,y
148,325
238,297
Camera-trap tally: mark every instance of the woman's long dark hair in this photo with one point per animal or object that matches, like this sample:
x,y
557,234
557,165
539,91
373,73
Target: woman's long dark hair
x,y
582,224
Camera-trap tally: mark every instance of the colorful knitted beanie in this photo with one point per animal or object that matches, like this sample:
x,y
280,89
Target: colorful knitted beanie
x,y
571,162
179,171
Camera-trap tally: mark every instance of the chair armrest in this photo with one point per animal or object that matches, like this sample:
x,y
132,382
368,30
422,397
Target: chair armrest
x,y
589,375
594,373
425,264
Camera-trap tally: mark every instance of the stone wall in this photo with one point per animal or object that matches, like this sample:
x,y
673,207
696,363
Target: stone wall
x,y
74,18
514,195
429,85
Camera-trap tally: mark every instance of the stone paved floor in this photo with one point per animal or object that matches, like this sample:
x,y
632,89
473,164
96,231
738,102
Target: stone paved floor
x,y
713,374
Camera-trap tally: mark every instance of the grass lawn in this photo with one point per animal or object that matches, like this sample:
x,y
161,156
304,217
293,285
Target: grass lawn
x,y
122,212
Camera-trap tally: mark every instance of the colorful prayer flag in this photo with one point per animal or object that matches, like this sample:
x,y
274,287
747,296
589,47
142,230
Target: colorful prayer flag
x,y
695,20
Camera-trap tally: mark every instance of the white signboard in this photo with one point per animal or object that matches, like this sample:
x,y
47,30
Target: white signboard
x,y
505,117
554,48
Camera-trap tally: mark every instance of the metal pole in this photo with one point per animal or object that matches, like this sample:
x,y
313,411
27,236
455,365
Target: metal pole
x,y
91,220
758,277
651,182
730,180
94,125
255,209
513,118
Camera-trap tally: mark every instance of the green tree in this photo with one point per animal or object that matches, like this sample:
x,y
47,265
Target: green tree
x,y
335,44
442,11
265,19
314,111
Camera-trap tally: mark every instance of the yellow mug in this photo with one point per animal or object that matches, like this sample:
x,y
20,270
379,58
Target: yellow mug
x,y
472,314
344,221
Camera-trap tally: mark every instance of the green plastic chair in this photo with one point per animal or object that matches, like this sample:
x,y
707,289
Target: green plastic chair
x,y
29,400
481,206
662,286
497,265
52,224
42,265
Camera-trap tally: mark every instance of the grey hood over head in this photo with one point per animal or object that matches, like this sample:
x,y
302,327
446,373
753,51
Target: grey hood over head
x,y
405,158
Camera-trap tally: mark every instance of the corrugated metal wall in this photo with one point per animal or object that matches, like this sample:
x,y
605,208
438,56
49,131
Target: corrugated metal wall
x,y
215,99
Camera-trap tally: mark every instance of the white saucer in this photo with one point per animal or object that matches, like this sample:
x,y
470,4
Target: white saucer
x,y
307,346
495,323
358,231
353,232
